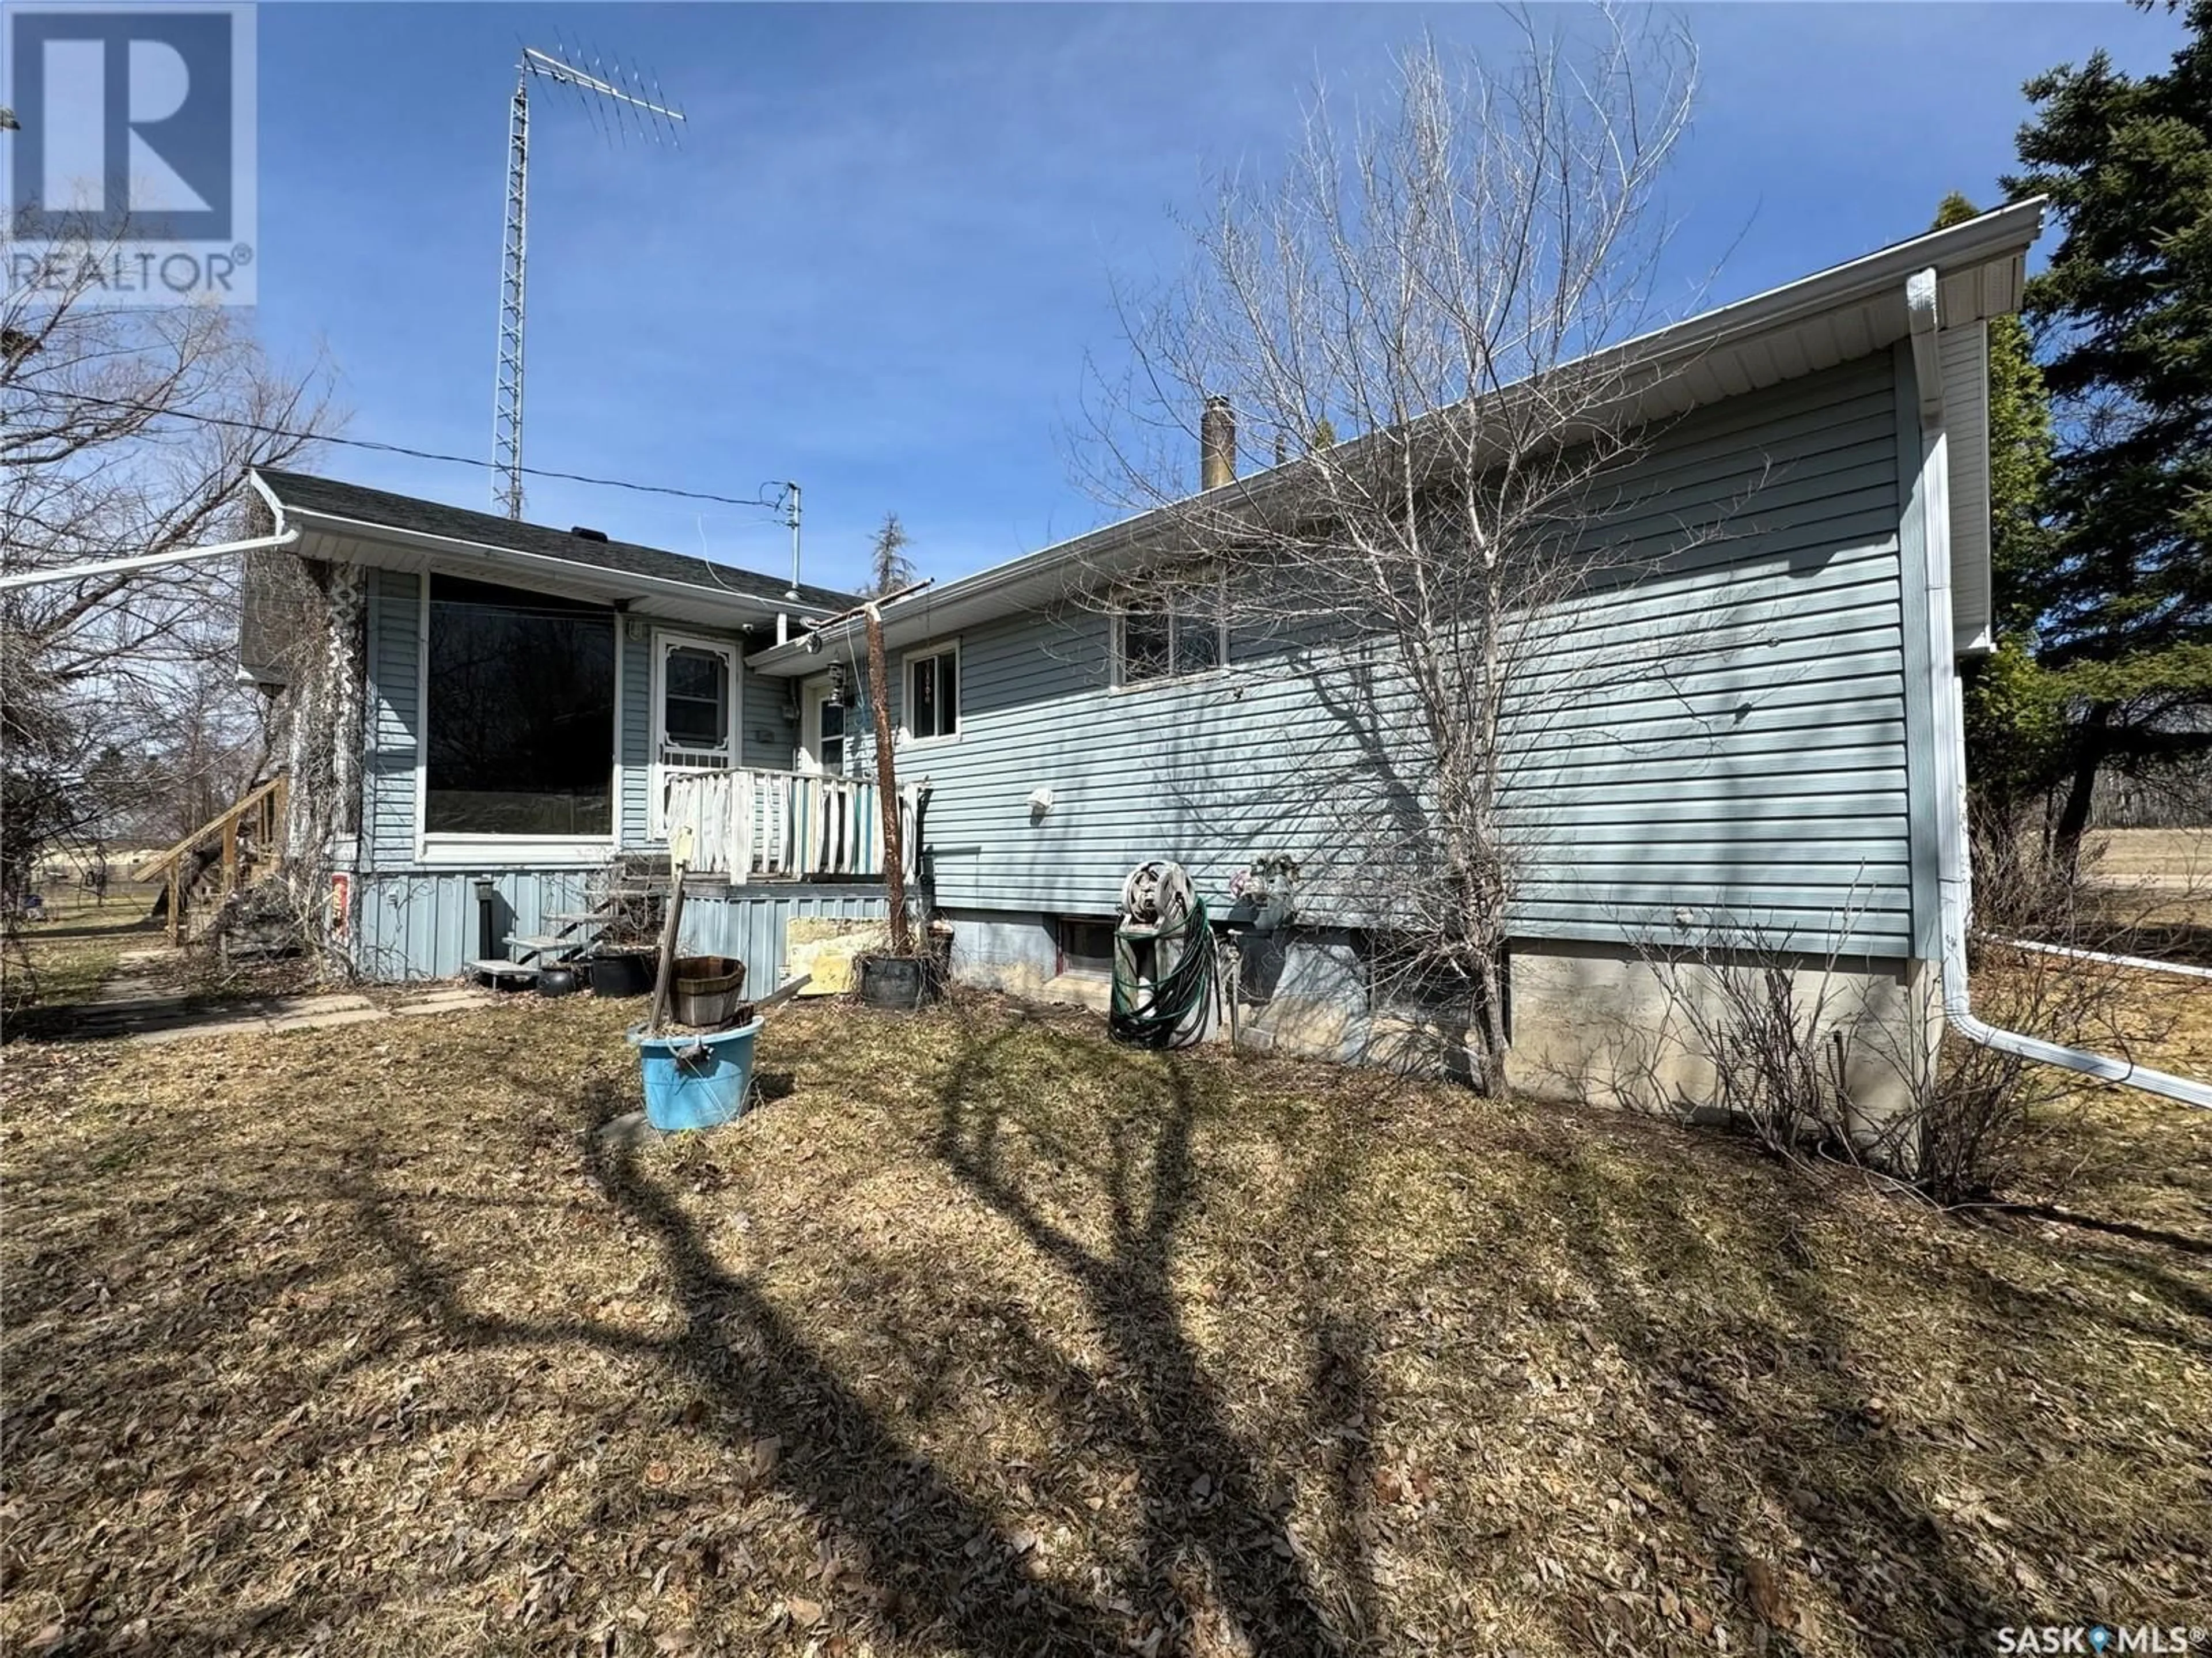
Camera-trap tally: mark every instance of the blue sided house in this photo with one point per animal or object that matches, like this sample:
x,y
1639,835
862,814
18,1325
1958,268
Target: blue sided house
x,y
512,718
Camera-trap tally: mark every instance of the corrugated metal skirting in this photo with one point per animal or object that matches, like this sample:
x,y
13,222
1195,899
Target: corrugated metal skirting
x,y
424,925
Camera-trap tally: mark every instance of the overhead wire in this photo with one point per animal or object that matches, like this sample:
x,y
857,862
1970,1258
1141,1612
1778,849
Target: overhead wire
x,y
772,504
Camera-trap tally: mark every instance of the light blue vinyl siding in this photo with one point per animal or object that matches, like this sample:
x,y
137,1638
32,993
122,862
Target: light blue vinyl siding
x,y
425,924
770,736
1723,737
635,739
394,718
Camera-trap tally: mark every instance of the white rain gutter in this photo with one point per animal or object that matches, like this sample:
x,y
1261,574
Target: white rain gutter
x,y
1955,870
284,536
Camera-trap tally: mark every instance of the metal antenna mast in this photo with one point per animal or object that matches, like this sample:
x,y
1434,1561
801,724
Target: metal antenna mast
x,y
619,98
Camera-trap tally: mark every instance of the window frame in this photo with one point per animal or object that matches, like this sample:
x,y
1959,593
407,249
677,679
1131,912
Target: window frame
x,y
504,850
1118,650
1064,965
938,651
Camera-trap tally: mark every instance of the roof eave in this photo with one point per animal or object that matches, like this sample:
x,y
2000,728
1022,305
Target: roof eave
x,y
2005,231
575,571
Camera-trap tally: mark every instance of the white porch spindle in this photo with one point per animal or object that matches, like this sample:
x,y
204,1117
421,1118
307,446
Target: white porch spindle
x,y
774,825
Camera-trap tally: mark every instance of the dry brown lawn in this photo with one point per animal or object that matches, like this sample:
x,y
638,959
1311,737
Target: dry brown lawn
x,y
983,1337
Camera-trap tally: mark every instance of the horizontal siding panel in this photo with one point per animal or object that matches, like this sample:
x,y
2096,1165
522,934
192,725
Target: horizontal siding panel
x,y
1724,732
635,736
394,694
770,731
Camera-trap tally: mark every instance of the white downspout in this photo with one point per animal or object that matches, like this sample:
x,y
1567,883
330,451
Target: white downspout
x,y
1954,875
284,536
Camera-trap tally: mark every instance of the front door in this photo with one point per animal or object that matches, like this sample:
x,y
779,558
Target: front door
x,y
695,713
821,730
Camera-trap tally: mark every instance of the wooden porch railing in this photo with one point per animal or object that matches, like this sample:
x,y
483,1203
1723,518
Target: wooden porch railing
x,y
781,825
259,815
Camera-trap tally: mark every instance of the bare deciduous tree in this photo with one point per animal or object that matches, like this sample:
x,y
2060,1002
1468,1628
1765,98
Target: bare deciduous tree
x,y
126,431
1433,284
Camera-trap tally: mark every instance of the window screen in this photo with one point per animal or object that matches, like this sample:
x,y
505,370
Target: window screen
x,y
1163,639
519,733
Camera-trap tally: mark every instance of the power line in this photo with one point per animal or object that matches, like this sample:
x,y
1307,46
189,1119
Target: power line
x,y
772,503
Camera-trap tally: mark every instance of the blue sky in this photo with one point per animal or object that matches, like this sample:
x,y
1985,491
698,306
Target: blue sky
x,y
880,259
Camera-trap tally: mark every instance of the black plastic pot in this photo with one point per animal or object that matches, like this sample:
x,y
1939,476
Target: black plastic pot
x,y
898,982
559,980
622,972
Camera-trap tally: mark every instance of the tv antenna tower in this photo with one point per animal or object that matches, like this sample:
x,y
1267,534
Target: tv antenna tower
x,y
614,99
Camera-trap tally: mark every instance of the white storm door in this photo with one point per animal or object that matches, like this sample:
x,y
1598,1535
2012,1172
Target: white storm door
x,y
695,713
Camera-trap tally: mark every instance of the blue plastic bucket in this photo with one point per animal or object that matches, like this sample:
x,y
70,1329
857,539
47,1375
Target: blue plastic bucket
x,y
695,1082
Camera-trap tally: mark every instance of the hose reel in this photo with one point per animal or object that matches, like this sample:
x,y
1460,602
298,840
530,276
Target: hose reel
x,y
1164,959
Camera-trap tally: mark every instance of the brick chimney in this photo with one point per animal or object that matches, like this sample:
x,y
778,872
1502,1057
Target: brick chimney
x,y
1217,444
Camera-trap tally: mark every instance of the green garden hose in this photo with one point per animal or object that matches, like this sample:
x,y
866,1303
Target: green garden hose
x,y
1168,1012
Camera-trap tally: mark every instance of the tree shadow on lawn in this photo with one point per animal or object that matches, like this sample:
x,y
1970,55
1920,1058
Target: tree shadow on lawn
x,y
1201,1488
1744,1381
1759,1396
940,1561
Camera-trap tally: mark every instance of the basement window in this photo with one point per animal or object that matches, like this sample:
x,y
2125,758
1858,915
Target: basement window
x,y
1409,979
518,713
1083,946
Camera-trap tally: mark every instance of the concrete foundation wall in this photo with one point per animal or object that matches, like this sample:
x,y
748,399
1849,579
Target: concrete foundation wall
x,y
1018,954
1590,1023
1595,1024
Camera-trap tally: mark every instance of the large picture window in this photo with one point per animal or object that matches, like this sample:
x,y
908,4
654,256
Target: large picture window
x,y
519,719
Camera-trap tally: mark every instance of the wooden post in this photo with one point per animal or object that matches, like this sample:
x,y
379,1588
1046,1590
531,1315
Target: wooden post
x,y
230,854
887,801
176,901
679,855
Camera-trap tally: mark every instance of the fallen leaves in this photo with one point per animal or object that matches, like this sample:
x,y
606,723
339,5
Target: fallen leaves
x,y
988,1333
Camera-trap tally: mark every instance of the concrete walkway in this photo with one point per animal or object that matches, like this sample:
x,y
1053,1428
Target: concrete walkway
x,y
132,1004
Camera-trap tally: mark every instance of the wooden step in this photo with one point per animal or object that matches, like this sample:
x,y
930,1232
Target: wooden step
x,y
586,918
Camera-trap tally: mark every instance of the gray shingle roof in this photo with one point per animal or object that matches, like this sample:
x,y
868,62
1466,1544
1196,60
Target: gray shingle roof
x,y
309,494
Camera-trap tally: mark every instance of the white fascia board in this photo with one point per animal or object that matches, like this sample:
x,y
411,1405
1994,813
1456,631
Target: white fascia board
x,y
2002,236
547,572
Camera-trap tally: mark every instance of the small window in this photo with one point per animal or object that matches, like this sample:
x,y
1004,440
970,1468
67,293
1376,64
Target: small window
x,y
1085,945
695,690
1170,638
1417,979
932,695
